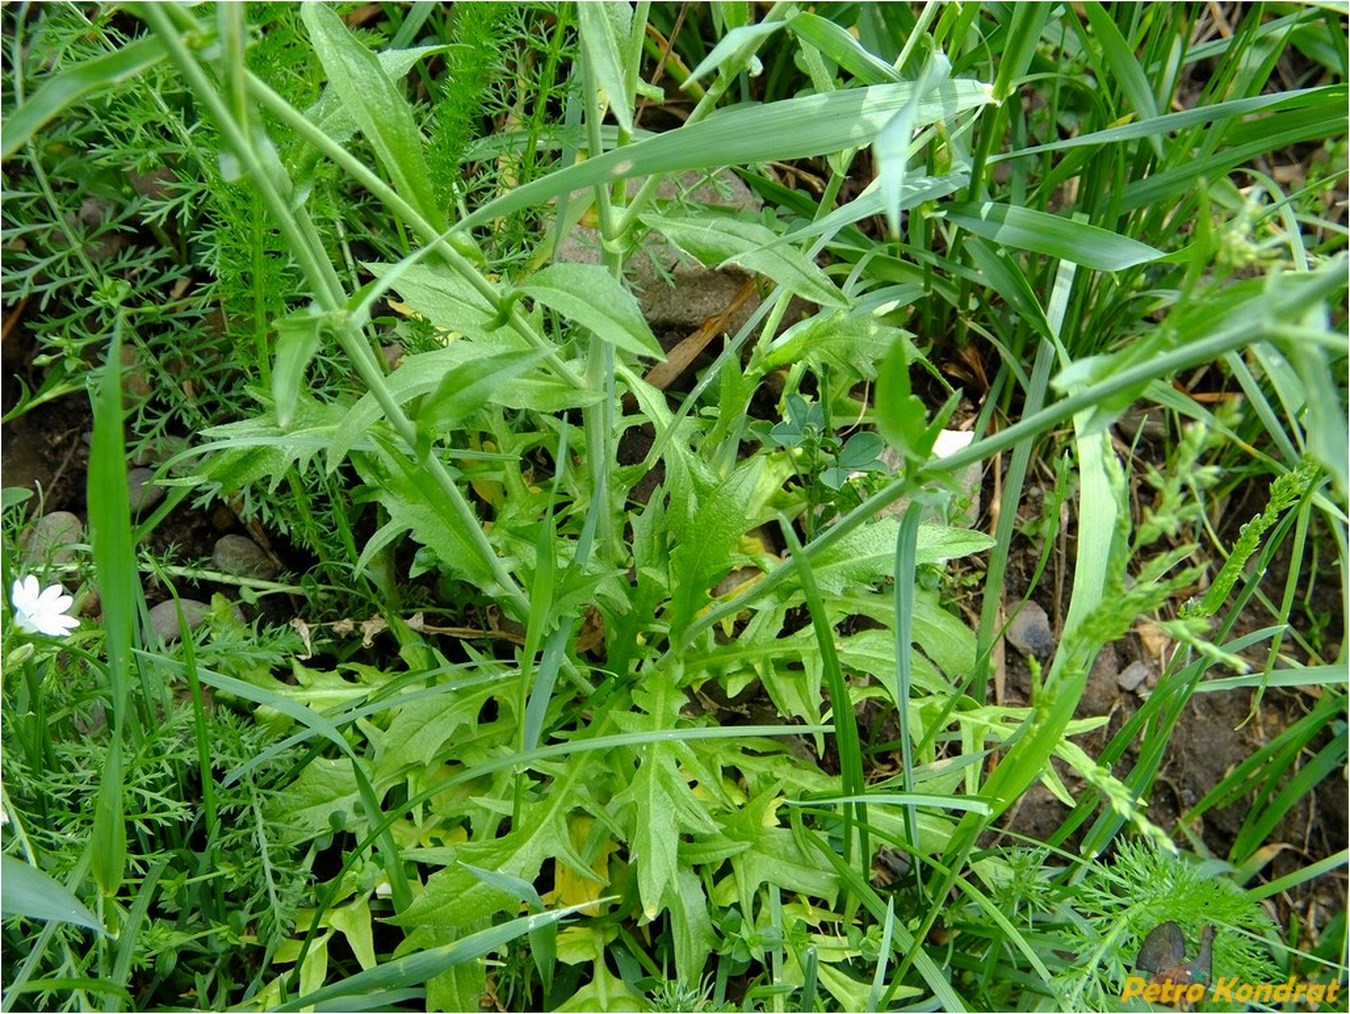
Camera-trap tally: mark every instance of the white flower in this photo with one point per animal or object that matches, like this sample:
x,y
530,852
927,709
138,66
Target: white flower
x,y
41,610
948,442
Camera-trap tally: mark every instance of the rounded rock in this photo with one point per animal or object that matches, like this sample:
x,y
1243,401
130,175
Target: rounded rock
x,y
53,538
1030,632
1132,676
242,557
164,618
142,491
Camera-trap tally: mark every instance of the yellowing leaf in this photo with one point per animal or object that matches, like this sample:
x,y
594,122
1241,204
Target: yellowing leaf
x,y
572,888
353,922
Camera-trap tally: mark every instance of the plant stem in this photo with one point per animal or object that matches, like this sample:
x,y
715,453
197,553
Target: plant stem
x,y
307,248
598,418
434,239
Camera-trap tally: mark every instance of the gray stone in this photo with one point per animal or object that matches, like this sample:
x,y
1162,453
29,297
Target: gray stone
x,y
158,451
1142,422
142,491
1101,692
53,538
242,557
1029,632
1132,676
164,618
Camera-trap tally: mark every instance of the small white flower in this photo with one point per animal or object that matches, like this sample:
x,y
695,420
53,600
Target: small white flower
x,y
41,610
948,442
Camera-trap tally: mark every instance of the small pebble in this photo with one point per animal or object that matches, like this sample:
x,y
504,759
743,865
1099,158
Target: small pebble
x,y
142,491
1030,632
135,382
164,618
1132,676
242,557
159,451
1142,423
52,539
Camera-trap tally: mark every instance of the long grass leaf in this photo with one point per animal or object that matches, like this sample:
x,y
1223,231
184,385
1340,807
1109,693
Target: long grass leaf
x,y
26,892
1330,865
1324,97
1013,483
115,563
424,965
1119,66
1052,235
129,937
906,564
63,90
794,128
1266,813
841,704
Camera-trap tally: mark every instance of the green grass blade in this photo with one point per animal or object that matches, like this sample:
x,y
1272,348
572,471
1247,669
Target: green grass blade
x,y
879,976
108,840
841,704
131,928
115,565
1119,66
794,128
1309,677
1013,484
423,965
25,891
906,564
1052,235
1022,37
1323,867
110,528
69,984
84,79
1324,97
1266,813
537,690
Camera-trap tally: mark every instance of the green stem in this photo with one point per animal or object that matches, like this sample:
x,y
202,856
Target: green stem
x,y
307,248
705,105
434,239
598,418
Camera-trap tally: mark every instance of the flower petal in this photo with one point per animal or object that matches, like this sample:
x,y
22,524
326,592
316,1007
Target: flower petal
x,y
41,610
57,624
25,592
54,599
